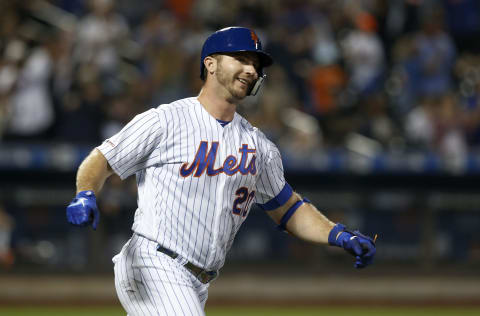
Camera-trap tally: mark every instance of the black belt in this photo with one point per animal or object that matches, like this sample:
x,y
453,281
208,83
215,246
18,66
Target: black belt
x,y
201,274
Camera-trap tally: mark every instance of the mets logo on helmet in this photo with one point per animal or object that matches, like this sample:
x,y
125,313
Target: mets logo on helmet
x,y
255,38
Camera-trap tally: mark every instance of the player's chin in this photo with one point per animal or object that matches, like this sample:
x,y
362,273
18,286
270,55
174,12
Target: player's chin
x,y
240,92
239,96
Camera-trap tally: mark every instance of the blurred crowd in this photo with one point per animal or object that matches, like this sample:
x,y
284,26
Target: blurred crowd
x,y
382,75
364,75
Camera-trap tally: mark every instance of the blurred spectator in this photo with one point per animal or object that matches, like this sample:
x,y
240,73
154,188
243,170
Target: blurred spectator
x,y
450,138
273,101
118,111
467,71
463,18
327,85
181,8
377,122
80,113
403,84
100,36
6,228
281,120
10,64
32,110
364,55
420,125
436,126
291,46
436,55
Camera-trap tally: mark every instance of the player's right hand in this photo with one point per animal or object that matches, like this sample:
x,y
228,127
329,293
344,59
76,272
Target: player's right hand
x,y
83,210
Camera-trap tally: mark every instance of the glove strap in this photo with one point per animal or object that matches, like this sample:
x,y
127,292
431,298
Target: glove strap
x,y
332,237
88,194
286,217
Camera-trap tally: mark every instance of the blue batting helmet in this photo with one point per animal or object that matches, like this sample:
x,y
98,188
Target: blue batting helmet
x,y
234,39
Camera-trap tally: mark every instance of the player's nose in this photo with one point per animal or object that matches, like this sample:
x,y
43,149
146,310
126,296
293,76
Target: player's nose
x,y
250,70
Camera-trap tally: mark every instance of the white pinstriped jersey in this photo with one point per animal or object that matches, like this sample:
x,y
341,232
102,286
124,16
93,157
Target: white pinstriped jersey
x,y
196,179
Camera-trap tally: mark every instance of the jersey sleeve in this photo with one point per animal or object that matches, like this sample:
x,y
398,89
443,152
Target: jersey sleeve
x,y
272,189
135,147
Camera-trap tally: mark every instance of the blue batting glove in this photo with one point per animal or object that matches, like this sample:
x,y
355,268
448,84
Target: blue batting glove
x,y
360,246
83,210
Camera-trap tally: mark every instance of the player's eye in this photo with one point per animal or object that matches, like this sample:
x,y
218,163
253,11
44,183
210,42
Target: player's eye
x,y
242,59
247,61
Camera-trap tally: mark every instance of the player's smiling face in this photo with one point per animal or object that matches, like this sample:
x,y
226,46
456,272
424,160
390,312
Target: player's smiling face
x,y
237,72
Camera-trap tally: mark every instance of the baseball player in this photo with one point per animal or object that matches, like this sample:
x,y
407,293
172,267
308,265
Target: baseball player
x,y
199,168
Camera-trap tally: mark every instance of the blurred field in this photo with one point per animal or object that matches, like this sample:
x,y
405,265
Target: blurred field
x,y
255,311
240,294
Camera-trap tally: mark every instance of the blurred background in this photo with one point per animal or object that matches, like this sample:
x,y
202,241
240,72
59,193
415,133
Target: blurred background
x,y
375,106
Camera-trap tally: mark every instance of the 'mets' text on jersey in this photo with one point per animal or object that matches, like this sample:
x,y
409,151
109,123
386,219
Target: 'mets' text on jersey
x,y
204,161
196,179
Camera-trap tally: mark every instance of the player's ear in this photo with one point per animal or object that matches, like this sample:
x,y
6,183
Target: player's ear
x,y
210,63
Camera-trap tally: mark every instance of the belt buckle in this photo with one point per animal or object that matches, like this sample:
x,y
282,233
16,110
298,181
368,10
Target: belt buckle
x,y
207,276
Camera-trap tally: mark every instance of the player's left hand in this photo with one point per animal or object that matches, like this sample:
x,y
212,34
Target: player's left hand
x,y
357,244
83,210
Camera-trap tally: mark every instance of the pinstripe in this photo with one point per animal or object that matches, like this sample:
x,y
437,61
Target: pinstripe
x,y
230,221
201,121
165,121
170,208
127,279
164,305
127,171
138,285
179,294
192,297
183,183
190,189
140,165
151,296
169,283
165,198
189,192
189,214
158,197
188,289
177,210
131,281
144,131
221,132
127,128
142,288
199,295
206,130
212,197
118,284
156,193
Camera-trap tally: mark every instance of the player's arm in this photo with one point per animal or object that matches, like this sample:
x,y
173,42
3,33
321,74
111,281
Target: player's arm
x,y
302,219
91,175
93,172
306,223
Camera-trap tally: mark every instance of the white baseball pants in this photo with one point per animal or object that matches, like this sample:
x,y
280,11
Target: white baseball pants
x,y
149,282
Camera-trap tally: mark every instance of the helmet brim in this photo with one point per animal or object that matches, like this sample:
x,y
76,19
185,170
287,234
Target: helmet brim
x,y
265,58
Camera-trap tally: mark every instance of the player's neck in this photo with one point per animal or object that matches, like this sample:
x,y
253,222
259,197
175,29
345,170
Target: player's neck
x,y
218,107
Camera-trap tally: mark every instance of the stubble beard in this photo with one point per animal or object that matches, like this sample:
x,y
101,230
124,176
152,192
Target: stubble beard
x,y
228,83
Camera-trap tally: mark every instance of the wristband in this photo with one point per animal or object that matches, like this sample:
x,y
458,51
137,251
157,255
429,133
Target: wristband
x,y
86,194
332,237
286,217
